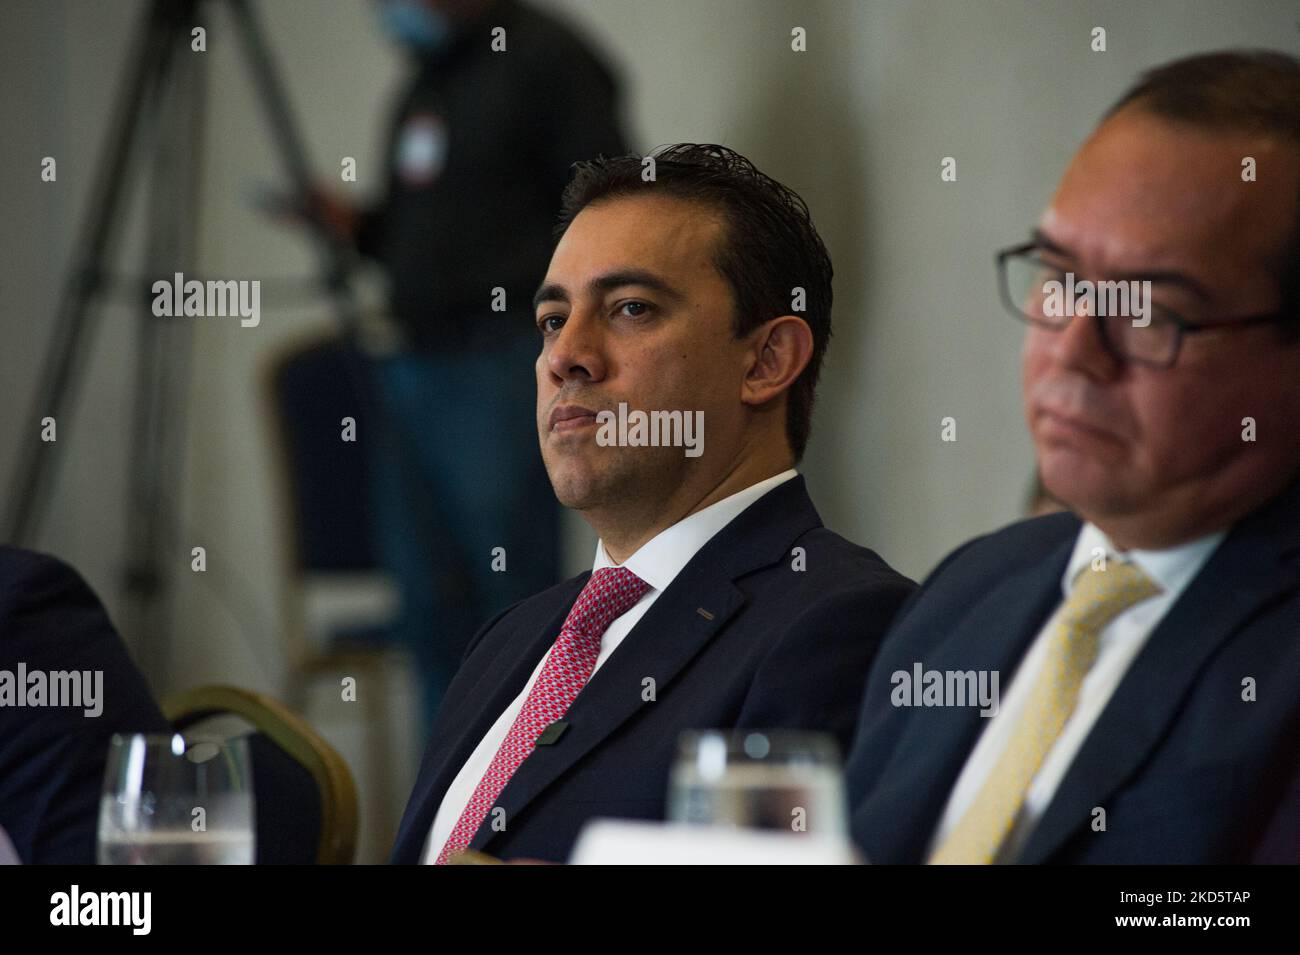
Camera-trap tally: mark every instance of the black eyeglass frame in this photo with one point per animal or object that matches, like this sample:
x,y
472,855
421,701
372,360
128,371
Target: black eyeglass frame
x,y
1181,325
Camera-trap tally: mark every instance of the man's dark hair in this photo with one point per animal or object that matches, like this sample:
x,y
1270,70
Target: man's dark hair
x,y
768,248
1256,91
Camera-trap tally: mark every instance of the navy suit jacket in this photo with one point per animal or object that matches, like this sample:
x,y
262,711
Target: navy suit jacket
x,y
1185,769
52,758
739,639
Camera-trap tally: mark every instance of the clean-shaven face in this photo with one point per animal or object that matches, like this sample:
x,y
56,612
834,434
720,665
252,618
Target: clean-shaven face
x,y
633,310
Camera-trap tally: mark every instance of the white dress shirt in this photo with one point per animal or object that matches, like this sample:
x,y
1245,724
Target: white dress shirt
x,y
657,562
1120,641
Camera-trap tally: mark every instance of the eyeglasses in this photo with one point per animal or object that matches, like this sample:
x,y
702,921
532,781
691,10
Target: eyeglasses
x,y
1024,280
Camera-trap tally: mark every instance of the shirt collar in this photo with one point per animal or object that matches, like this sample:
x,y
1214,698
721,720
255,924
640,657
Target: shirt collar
x,y
1172,568
662,558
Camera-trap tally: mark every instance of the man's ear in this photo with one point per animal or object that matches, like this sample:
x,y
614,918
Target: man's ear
x,y
782,349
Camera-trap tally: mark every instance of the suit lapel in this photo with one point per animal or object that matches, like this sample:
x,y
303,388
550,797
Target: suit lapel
x,y
1243,574
664,641
938,741
498,684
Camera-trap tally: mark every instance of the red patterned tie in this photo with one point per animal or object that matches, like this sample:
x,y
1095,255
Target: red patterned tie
x,y
609,593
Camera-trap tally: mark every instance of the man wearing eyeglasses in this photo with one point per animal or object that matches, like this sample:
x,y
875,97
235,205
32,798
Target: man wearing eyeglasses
x,y
1149,647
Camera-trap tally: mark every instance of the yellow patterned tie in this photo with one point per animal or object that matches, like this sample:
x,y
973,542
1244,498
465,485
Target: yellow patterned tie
x,y
1098,596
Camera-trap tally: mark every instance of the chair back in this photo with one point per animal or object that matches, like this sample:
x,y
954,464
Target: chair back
x,y
313,388
305,798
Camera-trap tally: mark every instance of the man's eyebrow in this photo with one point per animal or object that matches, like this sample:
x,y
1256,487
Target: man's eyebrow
x,y
613,280
552,292
1165,276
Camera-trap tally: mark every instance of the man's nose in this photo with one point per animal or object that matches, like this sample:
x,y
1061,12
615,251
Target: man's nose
x,y
578,349
1080,345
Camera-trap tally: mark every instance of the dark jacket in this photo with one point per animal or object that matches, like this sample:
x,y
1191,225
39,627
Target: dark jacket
x,y
52,758
1186,769
739,639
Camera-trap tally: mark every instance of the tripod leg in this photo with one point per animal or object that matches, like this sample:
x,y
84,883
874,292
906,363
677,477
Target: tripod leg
x,y
336,253
163,352
337,256
30,491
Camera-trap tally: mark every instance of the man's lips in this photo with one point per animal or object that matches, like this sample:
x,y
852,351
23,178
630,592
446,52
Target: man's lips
x,y
571,417
1065,421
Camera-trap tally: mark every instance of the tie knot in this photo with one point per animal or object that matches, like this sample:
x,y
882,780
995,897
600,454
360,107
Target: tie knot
x,y
1101,595
610,592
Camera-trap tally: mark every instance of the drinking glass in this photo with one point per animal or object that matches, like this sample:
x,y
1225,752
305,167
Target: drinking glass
x,y
169,800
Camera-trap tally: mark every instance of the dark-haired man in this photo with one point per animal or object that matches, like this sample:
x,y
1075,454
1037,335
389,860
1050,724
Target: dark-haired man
x,y
1151,644
717,599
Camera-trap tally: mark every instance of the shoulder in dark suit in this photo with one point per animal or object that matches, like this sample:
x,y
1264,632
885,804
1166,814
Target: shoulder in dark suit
x,y
1280,844
1187,769
52,758
740,639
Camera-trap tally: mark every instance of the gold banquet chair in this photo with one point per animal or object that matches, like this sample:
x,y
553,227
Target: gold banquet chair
x,y
305,799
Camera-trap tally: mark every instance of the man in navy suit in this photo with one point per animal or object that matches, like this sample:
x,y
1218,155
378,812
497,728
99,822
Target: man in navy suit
x,y
683,321
1149,648
52,755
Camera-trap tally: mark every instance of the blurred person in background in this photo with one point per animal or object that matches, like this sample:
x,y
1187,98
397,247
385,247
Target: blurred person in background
x,y
502,101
